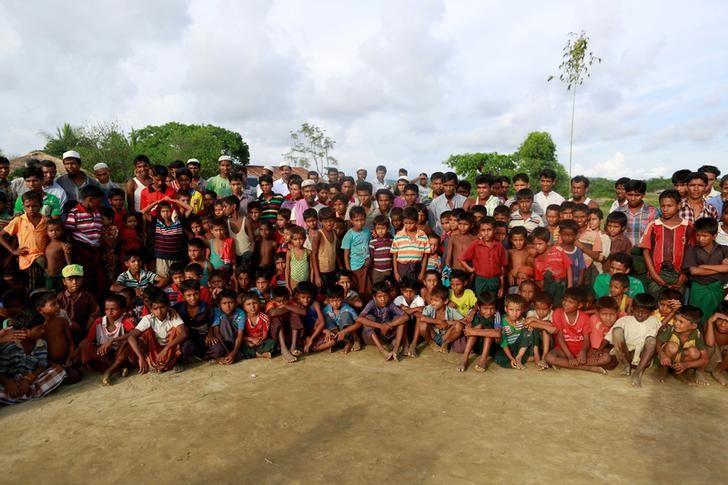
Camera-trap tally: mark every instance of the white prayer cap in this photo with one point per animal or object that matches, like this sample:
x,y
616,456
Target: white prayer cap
x,y
225,158
72,154
100,166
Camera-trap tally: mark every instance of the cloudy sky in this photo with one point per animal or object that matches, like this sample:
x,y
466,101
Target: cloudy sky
x,y
401,83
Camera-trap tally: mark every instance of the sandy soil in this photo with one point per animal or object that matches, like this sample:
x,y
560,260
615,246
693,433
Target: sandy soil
x,y
356,418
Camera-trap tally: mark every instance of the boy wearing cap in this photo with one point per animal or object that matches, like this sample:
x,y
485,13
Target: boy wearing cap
x,y
79,304
198,183
220,183
75,179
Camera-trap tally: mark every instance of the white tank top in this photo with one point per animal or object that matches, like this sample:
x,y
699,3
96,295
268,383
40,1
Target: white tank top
x,y
242,243
139,186
102,333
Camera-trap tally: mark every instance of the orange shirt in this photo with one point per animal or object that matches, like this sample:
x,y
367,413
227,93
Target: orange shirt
x,y
30,237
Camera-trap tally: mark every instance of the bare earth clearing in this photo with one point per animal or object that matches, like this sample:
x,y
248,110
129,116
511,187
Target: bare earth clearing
x,y
356,418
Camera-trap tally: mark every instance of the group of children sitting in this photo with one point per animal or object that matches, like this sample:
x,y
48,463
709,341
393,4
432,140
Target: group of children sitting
x,y
561,289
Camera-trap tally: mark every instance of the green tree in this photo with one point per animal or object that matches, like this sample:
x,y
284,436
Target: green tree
x,y
106,142
177,141
576,61
65,138
537,152
311,146
469,165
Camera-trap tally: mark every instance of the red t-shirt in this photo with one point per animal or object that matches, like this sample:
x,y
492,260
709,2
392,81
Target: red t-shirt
x,y
598,331
488,258
261,328
150,195
573,333
554,260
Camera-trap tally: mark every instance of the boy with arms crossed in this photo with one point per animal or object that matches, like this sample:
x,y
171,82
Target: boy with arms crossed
x,y
680,346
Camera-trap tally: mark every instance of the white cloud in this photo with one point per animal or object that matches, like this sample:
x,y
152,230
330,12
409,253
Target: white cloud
x,y
405,82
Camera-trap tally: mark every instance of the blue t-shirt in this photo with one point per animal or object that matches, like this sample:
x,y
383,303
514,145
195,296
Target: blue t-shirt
x,y
237,321
358,245
343,319
381,314
577,263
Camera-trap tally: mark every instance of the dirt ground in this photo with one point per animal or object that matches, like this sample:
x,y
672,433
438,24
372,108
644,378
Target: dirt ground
x,y
333,418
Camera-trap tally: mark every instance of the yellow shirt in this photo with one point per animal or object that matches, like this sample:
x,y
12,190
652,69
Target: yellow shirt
x,y
30,237
464,302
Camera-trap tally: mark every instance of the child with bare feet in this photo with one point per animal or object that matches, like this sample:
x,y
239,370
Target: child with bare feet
x,y
481,326
340,323
633,338
716,338
439,325
254,340
573,350
104,349
383,322
681,347
57,333
607,312
279,309
516,344
539,321
228,325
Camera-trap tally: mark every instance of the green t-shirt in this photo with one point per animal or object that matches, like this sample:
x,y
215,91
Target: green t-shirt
x,y
601,286
220,185
51,206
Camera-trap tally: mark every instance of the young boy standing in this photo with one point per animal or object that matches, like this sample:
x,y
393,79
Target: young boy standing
x,y
552,266
410,247
706,264
487,259
459,241
356,249
84,224
323,251
525,216
31,231
664,244
380,249
80,305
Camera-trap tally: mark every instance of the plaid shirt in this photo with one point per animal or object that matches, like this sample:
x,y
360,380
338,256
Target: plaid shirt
x,y
638,221
687,213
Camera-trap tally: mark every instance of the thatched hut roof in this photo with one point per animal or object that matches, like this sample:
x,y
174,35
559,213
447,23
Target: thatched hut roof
x,y
19,162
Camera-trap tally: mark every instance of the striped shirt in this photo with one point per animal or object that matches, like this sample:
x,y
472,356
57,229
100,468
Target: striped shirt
x,y
15,362
688,214
380,250
533,221
638,221
269,207
84,226
510,332
668,244
168,239
146,278
410,250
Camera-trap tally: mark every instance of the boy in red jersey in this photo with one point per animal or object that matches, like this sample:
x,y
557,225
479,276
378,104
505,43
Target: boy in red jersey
x,y
552,266
664,244
572,341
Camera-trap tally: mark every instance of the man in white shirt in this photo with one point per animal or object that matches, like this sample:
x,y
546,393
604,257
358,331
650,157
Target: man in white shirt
x,y
280,186
379,182
547,196
712,173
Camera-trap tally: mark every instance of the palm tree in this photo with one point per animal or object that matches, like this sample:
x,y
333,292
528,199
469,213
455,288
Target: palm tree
x,y
66,138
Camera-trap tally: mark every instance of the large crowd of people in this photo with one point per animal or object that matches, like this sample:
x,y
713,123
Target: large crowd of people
x,y
169,268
